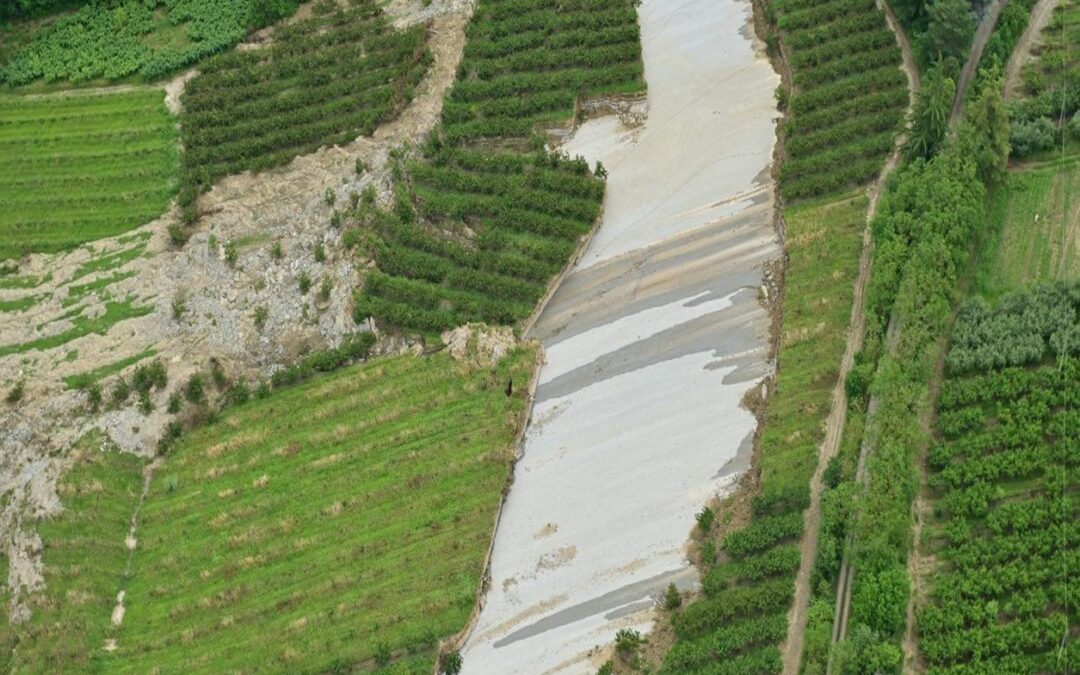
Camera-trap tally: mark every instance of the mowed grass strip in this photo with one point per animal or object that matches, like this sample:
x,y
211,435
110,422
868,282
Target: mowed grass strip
x,y
82,167
334,525
1039,232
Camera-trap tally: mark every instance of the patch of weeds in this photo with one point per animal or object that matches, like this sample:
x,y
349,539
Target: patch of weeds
x,y
15,394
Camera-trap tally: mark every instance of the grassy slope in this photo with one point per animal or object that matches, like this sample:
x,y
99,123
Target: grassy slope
x,y
77,168
1036,220
310,531
824,243
84,560
335,520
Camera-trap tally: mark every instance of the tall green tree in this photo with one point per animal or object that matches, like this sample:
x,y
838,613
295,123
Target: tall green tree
x,y
985,134
929,119
951,28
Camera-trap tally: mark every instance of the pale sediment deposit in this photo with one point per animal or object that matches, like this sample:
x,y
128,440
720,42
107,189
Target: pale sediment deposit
x,y
652,341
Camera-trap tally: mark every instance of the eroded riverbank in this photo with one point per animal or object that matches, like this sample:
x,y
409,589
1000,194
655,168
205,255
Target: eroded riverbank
x,y
652,342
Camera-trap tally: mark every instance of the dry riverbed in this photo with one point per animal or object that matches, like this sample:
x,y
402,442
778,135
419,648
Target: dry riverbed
x,y
652,342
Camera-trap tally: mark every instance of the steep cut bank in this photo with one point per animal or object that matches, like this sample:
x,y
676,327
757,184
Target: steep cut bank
x,y
652,342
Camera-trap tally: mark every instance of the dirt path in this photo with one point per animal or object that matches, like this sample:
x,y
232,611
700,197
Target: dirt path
x,y
834,425
1040,18
982,35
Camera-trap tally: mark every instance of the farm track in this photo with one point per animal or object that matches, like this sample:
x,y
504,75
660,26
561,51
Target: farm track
x,y
1040,18
834,426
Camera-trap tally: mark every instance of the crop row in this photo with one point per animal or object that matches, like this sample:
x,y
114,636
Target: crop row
x,y
486,217
329,78
66,179
1003,481
763,556
849,94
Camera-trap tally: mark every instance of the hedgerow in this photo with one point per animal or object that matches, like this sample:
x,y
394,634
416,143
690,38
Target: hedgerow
x,y
486,216
849,94
923,233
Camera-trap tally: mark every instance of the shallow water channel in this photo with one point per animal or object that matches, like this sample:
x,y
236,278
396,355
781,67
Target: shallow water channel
x,y
652,341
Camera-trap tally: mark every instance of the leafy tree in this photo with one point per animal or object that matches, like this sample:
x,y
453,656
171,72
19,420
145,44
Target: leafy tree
x,y
266,12
989,144
929,119
951,28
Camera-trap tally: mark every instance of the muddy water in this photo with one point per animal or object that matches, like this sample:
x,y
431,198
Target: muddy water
x,y
652,341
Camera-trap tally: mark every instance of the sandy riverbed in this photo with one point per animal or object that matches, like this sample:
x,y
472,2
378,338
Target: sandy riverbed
x,y
652,341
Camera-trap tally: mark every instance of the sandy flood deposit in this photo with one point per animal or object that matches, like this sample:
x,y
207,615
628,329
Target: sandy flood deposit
x,y
652,341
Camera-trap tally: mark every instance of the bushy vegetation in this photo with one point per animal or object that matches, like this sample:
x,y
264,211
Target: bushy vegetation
x,y
20,9
742,618
328,79
923,235
1023,330
81,167
1003,476
118,39
486,217
849,97
1052,87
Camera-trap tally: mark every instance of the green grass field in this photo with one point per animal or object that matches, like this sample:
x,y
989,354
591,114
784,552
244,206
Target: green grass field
x,y
1037,233
81,167
336,525
742,616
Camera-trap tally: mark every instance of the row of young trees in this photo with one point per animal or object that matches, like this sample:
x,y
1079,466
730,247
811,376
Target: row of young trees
x,y
849,94
1001,476
486,216
325,80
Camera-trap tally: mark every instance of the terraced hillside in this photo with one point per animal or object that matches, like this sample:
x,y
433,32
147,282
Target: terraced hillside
x,y
322,81
75,168
336,525
849,94
1003,476
487,217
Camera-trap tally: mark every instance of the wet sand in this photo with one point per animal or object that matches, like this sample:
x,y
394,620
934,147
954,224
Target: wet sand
x,y
652,341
